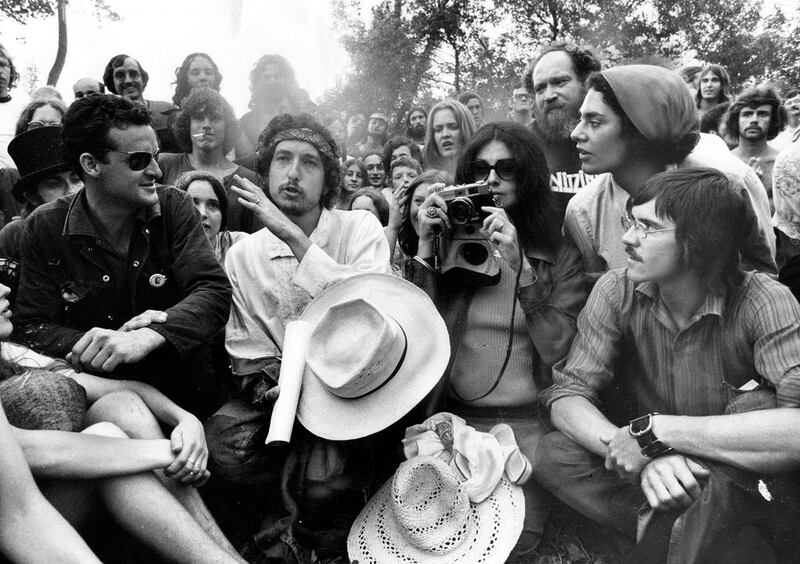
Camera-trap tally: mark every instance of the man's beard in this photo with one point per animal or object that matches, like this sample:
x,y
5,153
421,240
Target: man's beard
x,y
417,131
558,123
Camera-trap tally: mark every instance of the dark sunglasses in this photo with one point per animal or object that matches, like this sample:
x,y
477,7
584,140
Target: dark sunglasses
x,y
137,160
506,169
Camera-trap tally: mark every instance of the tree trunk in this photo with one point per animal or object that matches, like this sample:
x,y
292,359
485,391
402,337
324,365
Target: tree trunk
x,y
61,54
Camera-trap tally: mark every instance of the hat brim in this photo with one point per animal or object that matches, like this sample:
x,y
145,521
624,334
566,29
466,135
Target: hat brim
x,y
30,180
492,530
428,352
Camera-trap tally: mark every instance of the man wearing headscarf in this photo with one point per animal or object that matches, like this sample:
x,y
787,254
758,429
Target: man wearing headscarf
x,y
636,121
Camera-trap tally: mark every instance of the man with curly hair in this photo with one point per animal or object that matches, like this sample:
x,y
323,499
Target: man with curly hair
x,y
757,116
10,106
273,90
207,130
557,82
305,247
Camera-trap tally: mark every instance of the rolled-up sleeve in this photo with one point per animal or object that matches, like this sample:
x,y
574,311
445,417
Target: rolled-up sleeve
x,y
589,366
776,349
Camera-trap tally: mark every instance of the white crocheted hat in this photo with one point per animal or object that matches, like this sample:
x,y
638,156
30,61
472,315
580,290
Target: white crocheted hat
x,y
423,515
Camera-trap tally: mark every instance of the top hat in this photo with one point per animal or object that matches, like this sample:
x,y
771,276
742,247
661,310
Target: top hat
x,y
37,153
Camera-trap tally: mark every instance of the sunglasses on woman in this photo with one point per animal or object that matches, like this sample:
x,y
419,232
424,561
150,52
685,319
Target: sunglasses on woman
x,y
137,160
506,169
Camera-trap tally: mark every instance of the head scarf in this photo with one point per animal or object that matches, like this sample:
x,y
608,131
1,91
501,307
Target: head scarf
x,y
655,100
304,134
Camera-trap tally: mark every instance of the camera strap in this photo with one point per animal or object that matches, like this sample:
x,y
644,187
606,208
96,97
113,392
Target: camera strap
x,y
509,347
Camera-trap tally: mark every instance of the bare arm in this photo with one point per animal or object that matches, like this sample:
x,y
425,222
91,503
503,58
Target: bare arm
x,y
33,531
58,454
758,441
580,420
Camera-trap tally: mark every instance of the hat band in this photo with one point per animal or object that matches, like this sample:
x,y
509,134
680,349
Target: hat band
x,y
396,367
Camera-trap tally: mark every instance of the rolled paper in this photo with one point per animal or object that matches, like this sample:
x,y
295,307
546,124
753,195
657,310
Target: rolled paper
x,y
293,365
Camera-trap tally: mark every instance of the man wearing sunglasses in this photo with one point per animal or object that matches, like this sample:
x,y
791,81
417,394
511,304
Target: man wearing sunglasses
x,y
119,278
678,391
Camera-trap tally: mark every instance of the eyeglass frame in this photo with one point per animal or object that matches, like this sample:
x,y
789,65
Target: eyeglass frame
x,y
132,154
491,168
43,124
642,230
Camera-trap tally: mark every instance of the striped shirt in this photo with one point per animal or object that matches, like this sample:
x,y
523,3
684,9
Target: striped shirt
x,y
627,338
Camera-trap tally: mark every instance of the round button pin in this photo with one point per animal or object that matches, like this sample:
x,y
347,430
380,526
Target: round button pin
x,y
158,280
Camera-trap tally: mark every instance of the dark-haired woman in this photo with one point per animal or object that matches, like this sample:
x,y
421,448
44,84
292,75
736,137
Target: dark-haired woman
x,y
211,201
630,130
505,337
207,130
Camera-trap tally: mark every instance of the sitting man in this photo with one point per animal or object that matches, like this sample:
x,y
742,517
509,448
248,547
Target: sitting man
x,y
703,360
119,278
304,248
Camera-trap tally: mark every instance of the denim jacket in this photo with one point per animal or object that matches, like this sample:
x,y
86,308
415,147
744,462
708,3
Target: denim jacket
x,y
72,280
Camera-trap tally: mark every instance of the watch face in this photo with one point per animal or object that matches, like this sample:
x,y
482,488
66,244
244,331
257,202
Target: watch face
x,y
640,425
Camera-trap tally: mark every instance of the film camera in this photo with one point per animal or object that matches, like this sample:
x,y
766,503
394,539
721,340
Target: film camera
x,y
465,253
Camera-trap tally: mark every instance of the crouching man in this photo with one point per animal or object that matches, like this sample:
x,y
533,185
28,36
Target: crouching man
x,y
680,387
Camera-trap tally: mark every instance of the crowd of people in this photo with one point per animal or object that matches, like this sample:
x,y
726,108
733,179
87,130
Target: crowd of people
x,y
590,304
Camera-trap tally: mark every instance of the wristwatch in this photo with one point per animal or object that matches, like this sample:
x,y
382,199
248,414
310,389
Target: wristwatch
x,y
641,429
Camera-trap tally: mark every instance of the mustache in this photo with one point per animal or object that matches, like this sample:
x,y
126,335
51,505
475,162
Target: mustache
x,y
632,253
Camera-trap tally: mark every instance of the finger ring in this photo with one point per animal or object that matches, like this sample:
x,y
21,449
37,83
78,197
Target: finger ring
x,y
500,225
432,212
194,471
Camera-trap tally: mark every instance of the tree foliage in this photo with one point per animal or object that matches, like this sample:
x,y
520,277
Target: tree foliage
x,y
425,49
23,10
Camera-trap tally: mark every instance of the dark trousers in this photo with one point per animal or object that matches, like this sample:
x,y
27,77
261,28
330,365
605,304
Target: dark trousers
x,y
739,517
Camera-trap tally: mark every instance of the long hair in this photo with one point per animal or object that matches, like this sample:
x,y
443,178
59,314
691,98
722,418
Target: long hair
x,y
406,236
710,221
378,200
725,91
13,77
200,103
752,98
181,83
431,155
534,209
184,181
265,150
255,75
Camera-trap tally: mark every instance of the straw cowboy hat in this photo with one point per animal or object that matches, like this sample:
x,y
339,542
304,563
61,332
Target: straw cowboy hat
x,y
377,348
423,514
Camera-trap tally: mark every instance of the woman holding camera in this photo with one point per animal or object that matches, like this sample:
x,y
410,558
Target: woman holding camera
x,y
504,337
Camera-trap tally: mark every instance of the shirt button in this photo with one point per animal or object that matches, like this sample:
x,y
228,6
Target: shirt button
x,y
90,249
147,231
110,318
135,263
106,278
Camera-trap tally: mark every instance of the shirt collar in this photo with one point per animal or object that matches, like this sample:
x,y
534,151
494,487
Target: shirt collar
x,y
276,248
713,304
79,217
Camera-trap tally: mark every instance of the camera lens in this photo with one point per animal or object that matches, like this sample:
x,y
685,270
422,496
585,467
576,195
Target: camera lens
x,y
460,210
474,253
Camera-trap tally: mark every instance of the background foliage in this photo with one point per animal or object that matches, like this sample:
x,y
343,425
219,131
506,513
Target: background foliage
x,y
417,51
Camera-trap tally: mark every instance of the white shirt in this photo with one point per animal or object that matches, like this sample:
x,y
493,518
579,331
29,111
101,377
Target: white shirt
x,y
9,114
271,288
